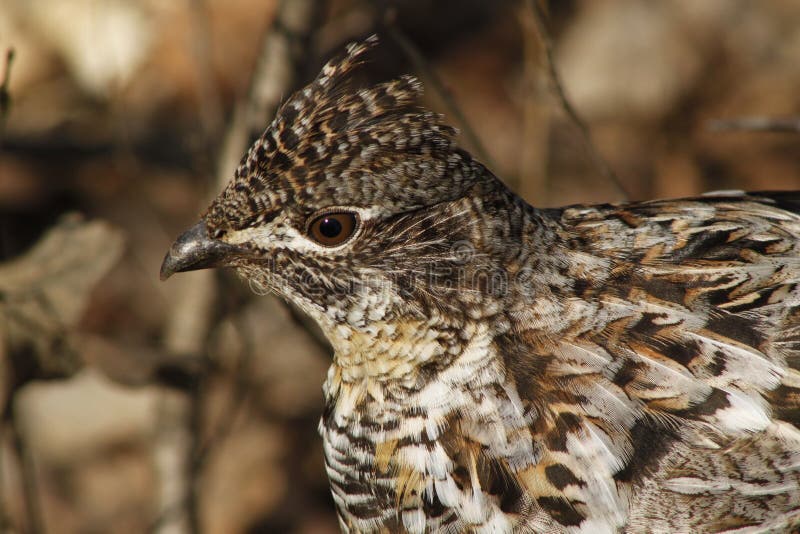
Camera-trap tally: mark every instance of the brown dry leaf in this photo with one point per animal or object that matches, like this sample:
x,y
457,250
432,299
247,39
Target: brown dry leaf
x,y
44,293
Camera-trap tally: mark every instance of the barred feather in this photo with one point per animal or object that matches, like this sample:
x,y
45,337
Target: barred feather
x,y
608,368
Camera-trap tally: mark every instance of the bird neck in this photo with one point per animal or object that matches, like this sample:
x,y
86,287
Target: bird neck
x,y
403,350
371,372
424,325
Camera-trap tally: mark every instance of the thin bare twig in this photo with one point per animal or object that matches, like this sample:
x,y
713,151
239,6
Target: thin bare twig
x,y
605,169
533,177
756,124
432,79
243,386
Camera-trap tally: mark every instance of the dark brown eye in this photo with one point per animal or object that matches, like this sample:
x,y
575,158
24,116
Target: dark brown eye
x,y
333,229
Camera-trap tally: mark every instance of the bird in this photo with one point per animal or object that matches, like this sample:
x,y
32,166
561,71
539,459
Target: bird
x,y
625,367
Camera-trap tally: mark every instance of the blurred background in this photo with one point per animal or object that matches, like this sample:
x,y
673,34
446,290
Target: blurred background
x,y
131,405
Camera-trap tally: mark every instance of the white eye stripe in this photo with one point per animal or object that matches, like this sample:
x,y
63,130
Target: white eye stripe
x,y
363,213
280,234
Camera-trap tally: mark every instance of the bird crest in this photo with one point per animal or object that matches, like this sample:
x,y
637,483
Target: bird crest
x,y
329,141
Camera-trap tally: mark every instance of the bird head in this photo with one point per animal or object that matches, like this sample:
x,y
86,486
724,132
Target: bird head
x,y
348,205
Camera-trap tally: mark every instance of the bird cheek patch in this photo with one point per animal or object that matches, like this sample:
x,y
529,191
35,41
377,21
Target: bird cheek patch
x,y
259,237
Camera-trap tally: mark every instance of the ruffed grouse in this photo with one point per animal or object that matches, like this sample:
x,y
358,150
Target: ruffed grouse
x,y
497,367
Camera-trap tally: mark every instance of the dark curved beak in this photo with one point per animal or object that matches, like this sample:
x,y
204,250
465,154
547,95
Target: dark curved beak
x,y
194,249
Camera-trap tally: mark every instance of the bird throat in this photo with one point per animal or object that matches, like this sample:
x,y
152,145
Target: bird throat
x,y
393,351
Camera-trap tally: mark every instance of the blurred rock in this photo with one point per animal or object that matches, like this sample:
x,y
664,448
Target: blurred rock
x,y
244,479
80,417
61,269
46,290
103,43
629,57
114,487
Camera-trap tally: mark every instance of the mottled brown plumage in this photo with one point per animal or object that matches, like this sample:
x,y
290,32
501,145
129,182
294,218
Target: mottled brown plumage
x,y
611,368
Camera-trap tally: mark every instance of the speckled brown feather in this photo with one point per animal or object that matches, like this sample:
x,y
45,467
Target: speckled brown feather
x,y
611,368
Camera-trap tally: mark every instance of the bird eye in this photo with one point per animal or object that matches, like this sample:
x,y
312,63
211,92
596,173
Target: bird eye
x,y
333,229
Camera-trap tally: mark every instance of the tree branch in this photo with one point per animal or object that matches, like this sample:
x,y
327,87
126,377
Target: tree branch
x,y
432,79
604,168
756,124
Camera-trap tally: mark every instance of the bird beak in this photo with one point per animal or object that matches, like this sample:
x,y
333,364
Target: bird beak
x,y
194,249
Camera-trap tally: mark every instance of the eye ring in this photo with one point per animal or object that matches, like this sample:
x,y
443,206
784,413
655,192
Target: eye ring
x,y
333,228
